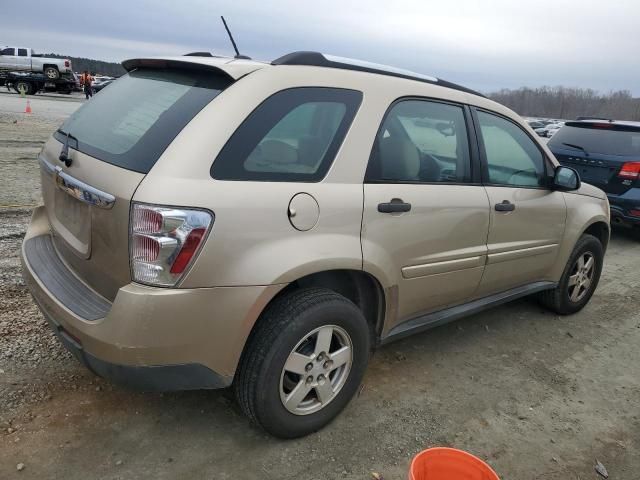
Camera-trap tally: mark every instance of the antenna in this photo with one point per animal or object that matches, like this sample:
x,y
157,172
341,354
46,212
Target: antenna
x,y
233,42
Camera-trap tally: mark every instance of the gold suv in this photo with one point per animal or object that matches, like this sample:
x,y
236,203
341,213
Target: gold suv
x,y
212,222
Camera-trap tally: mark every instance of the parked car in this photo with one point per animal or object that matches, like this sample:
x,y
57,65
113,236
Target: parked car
x,y
535,124
552,128
100,82
274,252
607,155
22,59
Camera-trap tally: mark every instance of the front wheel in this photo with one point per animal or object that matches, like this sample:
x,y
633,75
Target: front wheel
x,y
579,279
23,87
303,363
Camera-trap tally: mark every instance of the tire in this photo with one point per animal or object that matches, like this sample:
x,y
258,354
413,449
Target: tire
x,y
563,299
51,73
286,329
28,88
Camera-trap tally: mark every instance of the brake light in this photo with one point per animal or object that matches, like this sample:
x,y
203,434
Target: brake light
x,y
67,63
164,241
190,247
630,171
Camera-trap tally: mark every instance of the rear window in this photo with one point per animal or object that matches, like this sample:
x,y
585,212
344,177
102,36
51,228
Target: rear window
x,y
623,141
293,136
130,123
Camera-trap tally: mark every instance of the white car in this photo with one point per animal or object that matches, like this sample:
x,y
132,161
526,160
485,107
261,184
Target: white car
x,y
552,128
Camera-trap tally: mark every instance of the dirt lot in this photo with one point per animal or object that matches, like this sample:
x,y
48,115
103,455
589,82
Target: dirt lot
x,y
537,396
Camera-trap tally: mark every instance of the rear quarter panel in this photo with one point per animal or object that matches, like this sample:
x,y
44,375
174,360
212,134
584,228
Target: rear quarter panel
x,y
252,241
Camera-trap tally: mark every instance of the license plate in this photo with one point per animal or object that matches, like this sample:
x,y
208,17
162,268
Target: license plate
x,y
73,222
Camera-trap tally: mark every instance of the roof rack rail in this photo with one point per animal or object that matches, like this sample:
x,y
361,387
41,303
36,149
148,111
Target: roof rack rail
x,y
318,59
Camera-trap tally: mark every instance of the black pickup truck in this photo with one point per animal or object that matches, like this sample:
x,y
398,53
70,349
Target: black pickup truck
x,y
31,83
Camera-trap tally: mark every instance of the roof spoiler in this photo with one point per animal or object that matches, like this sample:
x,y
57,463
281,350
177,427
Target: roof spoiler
x,y
181,63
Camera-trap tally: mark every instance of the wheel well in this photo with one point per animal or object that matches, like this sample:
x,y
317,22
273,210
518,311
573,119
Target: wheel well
x,y
600,230
47,65
360,287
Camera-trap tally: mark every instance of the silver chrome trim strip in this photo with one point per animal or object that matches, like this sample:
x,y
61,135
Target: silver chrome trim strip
x,y
76,188
46,166
520,253
447,266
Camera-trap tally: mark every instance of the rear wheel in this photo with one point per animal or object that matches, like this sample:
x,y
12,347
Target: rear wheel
x,y
579,279
303,363
51,73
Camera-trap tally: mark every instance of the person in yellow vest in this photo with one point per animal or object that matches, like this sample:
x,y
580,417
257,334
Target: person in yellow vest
x,y
86,80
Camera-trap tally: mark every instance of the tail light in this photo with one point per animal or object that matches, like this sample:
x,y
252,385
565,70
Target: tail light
x,y
67,63
164,241
630,171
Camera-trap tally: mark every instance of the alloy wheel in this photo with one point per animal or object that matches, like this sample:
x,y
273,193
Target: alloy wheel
x,y
581,277
316,370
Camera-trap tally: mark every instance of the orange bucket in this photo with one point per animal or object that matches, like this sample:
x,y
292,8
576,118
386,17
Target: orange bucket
x,y
443,463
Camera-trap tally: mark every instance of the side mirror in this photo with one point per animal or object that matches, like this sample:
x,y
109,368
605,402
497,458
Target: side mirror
x,y
566,179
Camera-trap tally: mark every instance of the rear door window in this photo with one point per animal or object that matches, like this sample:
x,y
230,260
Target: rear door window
x,y
605,139
133,121
293,136
22,52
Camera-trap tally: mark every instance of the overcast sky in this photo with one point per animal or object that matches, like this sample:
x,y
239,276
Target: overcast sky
x,y
485,45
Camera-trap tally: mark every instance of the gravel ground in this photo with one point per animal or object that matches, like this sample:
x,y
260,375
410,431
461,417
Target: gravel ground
x,y
536,395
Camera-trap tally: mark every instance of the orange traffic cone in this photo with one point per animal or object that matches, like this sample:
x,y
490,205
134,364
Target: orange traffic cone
x,y
28,109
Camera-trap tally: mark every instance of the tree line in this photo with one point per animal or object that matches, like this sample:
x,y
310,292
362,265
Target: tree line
x,y
96,67
569,103
549,102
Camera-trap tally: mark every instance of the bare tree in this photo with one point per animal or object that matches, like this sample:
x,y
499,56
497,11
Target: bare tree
x,y
567,103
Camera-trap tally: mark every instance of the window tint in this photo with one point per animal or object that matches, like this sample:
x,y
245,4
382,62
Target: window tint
x,y
133,121
421,141
599,140
22,52
512,157
293,136
7,51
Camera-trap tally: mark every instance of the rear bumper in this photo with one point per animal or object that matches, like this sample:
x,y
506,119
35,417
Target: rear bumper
x,y
193,376
622,204
148,338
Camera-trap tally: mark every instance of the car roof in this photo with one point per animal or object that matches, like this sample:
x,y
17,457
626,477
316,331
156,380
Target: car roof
x,y
317,59
238,67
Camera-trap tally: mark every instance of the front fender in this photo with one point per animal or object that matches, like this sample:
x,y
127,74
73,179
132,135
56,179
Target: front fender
x,y
582,212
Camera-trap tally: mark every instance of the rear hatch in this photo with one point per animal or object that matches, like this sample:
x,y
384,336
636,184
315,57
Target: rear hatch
x,y
113,141
603,153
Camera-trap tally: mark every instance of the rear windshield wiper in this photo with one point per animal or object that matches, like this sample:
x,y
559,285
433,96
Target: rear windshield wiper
x,y
577,147
64,153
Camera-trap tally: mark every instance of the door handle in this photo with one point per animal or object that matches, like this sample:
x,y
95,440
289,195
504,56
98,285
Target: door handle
x,y
394,206
505,206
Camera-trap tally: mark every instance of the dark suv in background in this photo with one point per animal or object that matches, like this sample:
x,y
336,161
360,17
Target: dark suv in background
x,y
606,153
